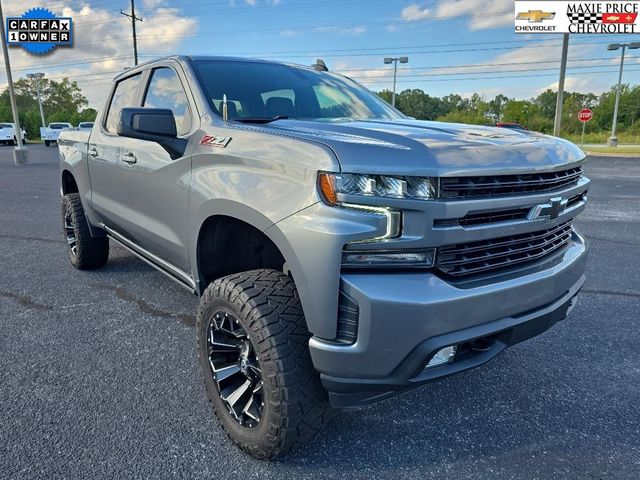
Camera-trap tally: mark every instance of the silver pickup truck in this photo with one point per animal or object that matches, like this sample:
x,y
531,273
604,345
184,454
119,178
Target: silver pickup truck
x,y
343,252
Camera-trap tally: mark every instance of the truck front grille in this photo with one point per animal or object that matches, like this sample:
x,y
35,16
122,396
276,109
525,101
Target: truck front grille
x,y
500,253
494,185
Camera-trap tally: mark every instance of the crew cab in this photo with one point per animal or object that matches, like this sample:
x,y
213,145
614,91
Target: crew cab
x,y
343,252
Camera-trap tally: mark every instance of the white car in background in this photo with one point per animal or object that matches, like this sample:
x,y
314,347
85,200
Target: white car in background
x,y
51,133
8,134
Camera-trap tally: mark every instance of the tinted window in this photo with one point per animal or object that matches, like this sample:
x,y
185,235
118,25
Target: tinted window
x,y
58,126
165,91
124,96
270,89
6,125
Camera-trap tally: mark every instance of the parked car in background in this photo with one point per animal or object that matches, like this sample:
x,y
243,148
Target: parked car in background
x,y
85,125
51,133
343,252
512,126
8,134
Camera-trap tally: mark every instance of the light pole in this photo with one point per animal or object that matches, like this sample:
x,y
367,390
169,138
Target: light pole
x,y
19,154
557,122
613,141
395,60
37,77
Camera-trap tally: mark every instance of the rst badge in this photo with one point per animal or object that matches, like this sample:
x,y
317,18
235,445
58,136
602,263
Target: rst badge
x,y
39,31
551,16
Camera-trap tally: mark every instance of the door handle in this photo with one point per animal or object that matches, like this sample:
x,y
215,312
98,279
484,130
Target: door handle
x,y
92,152
129,158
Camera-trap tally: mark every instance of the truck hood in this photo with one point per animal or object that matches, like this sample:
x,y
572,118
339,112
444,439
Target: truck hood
x,y
414,147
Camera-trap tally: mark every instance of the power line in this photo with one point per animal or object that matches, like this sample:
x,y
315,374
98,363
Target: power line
x,y
462,79
422,75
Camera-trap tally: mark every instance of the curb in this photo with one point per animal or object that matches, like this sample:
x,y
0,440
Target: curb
x,y
620,155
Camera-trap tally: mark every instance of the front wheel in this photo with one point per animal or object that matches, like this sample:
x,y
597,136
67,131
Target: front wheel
x,y
254,354
14,142
47,143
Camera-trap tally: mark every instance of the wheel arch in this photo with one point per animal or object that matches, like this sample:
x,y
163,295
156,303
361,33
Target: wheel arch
x,y
68,183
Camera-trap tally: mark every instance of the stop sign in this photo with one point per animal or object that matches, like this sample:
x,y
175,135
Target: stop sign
x,y
585,115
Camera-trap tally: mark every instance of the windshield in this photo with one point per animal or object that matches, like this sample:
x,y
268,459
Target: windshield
x,y
85,125
58,126
6,125
268,90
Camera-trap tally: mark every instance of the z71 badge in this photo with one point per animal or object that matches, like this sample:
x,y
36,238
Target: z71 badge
x,y
215,141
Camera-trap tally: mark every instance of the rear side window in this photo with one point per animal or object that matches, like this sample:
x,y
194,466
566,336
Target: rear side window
x,y
165,91
124,96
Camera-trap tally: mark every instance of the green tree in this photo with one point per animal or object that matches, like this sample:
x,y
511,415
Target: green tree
x,y
62,101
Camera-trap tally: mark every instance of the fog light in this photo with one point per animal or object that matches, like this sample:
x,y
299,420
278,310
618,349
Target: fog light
x,y
443,356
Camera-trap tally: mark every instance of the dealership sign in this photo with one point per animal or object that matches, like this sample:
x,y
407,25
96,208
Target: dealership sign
x,y
552,16
39,31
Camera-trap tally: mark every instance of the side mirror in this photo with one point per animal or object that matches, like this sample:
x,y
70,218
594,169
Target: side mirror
x,y
154,125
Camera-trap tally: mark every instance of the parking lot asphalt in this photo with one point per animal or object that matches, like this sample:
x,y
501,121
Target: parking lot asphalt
x,y
98,373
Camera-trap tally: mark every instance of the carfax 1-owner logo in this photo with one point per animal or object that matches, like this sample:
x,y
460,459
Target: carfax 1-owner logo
x,y
550,16
39,31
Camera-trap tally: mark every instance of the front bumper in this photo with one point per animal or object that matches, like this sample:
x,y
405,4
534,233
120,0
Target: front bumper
x,y
405,318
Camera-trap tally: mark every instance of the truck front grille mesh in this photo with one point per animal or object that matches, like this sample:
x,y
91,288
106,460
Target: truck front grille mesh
x,y
488,255
494,185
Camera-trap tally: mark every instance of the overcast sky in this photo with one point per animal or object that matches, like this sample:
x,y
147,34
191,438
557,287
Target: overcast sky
x,y
454,46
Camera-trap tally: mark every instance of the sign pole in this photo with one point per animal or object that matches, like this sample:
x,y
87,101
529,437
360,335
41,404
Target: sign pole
x,y
584,124
20,154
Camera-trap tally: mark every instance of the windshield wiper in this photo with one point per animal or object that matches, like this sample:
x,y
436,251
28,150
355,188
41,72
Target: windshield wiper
x,y
262,119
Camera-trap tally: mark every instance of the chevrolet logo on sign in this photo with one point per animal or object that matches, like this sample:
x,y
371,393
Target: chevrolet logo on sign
x,y
536,16
552,210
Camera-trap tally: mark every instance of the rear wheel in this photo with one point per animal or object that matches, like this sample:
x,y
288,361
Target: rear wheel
x,y
85,252
47,143
254,354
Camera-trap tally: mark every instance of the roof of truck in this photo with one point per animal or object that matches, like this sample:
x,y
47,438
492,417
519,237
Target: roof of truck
x,y
197,58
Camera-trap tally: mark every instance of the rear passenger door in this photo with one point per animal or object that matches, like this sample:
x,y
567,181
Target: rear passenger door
x,y
155,187
104,153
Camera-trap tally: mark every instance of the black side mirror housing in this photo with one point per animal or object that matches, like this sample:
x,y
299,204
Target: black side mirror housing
x,y
154,125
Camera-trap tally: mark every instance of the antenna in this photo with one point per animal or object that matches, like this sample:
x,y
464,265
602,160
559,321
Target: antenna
x,y
320,65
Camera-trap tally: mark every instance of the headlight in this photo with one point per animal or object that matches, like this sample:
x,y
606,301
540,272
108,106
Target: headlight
x,y
388,258
333,184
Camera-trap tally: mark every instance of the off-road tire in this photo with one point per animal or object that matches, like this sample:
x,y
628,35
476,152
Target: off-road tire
x,y
89,252
266,305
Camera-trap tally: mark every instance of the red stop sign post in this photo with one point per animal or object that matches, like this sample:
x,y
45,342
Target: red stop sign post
x,y
584,116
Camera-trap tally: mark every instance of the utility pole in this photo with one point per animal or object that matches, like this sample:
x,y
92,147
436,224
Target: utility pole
x,y
557,123
20,154
613,140
134,19
395,60
36,77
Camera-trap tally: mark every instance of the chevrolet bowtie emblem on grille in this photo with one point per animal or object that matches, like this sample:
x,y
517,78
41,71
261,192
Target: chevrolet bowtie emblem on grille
x,y
536,16
553,209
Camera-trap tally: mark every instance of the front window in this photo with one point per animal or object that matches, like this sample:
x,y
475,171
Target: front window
x,y
6,125
165,91
255,89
